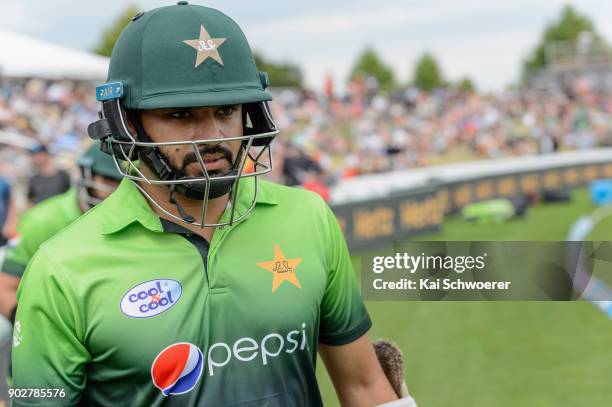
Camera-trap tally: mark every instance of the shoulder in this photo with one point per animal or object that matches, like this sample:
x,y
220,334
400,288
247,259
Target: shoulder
x,y
304,209
43,212
75,234
293,196
74,249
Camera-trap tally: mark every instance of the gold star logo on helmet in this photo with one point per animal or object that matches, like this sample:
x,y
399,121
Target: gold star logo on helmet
x,y
206,47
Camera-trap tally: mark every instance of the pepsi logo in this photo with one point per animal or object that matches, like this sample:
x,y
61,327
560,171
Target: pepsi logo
x,y
151,298
178,368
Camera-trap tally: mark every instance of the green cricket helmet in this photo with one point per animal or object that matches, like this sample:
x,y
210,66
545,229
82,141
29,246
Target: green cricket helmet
x,y
184,56
95,162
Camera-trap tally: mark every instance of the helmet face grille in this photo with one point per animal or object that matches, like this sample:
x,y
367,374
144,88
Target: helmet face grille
x,y
128,147
86,186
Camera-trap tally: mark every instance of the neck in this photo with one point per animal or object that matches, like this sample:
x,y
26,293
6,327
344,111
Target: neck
x,y
191,207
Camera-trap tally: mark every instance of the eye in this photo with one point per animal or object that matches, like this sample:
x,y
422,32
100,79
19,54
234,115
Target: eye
x,y
226,110
180,114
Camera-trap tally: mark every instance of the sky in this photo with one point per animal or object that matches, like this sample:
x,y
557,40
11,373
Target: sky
x,y
482,39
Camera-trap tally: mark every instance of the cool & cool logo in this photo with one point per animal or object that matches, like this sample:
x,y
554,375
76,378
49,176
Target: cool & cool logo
x,y
151,298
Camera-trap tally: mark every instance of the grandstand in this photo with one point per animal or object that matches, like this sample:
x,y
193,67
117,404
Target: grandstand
x,y
580,64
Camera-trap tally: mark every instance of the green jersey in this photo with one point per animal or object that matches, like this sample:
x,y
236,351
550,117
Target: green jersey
x,y
39,224
125,309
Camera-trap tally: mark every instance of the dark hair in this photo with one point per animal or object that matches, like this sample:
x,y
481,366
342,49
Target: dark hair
x,y
38,148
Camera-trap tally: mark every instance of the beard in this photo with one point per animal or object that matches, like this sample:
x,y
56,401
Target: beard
x,y
218,161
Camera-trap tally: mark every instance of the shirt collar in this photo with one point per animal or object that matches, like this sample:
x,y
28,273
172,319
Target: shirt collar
x,y
171,227
125,206
128,205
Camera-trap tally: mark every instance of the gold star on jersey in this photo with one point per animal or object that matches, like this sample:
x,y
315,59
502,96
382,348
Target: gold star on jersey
x,y
282,269
206,47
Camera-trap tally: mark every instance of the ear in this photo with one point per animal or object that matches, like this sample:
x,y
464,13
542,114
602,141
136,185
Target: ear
x,y
128,120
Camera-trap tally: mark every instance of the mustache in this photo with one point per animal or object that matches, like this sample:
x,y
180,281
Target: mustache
x,y
191,157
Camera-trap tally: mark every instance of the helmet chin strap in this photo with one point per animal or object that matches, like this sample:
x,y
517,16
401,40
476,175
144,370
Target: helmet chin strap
x,y
186,217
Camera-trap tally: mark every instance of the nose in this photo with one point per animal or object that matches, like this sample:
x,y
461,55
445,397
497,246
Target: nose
x,y
206,125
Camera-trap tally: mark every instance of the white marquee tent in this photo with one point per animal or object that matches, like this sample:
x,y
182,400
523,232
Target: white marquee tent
x,y
22,56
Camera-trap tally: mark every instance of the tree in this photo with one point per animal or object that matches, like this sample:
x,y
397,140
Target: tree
x,y
369,64
280,74
568,28
111,33
427,73
465,85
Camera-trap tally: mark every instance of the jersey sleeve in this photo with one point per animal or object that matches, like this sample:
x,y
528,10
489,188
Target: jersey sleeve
x,y
48,350
18,257
343,315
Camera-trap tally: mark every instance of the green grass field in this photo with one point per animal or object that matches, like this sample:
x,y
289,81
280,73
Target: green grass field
x,y
473,354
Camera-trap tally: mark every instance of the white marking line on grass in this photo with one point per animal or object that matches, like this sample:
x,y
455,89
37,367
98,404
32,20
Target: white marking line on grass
x,y
596,288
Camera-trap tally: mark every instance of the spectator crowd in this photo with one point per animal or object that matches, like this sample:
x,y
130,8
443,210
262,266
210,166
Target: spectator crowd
x,y
325,137
366,132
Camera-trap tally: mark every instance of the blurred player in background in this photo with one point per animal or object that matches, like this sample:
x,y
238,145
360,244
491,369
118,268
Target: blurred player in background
x,y
98,178
6,208
48,180
194,283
